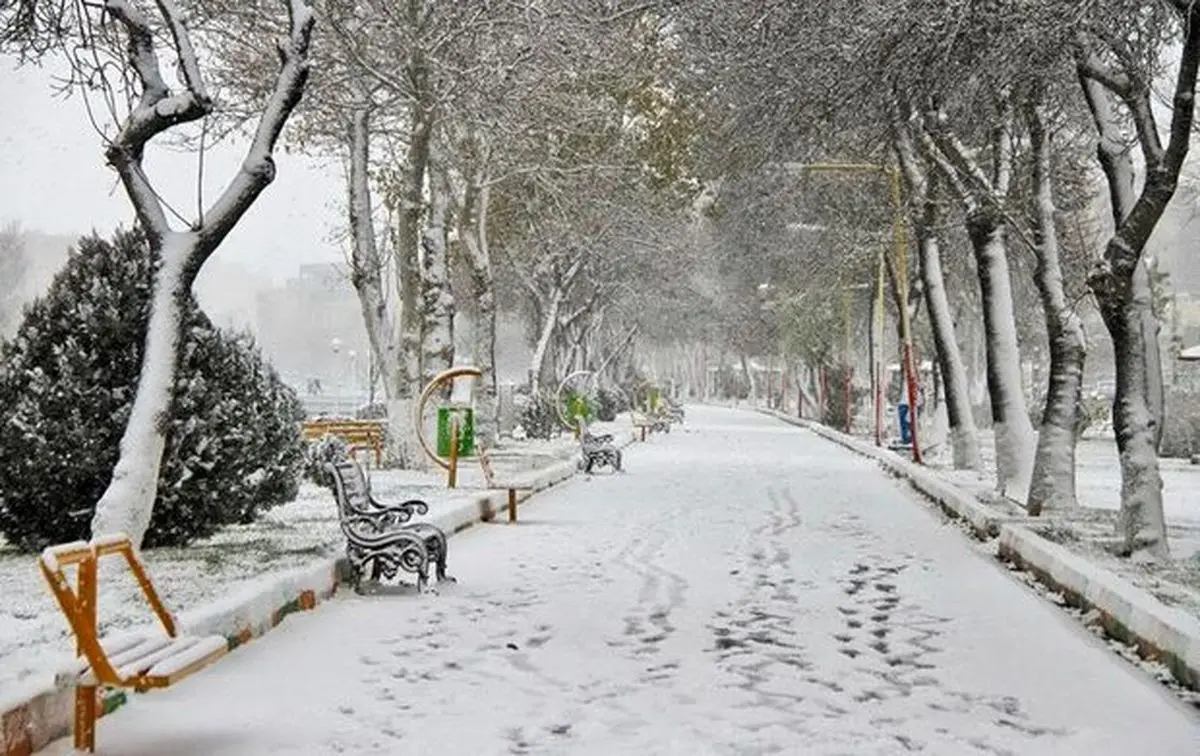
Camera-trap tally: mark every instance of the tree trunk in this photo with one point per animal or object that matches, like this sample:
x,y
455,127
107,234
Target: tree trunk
x,y
1053,483
437,300
1015,439
1120,285
473,231
366,263
411,212
128,502
964,437
537,363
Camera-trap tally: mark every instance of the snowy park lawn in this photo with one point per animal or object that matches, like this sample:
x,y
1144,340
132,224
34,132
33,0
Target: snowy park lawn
x,y
1098,485
34,638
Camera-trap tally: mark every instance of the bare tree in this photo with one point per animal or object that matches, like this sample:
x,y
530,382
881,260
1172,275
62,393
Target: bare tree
x,y
1115,74
925,212
96,32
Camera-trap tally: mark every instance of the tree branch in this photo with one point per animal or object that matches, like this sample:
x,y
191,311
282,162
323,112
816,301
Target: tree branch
x,y
1136,97
909,161
258,168
1111,152
156,111
935,156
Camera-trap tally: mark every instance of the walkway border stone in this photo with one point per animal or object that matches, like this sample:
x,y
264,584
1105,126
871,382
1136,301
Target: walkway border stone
x,y
1126,613
35,715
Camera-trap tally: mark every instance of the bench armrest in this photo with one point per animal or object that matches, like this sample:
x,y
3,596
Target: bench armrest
x,y
410,506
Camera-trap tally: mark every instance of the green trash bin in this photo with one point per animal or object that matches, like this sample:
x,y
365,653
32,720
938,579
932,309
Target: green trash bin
x,y
466,430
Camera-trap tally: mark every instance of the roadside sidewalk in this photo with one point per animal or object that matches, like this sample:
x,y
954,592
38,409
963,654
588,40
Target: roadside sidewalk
x,y
1151,613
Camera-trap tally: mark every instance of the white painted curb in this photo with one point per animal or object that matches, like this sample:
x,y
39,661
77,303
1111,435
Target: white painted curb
x,y
34,715
1159,633
983,522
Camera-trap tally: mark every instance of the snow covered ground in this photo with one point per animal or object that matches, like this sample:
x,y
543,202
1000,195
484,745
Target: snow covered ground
x,y
745,588
1098,488
34,639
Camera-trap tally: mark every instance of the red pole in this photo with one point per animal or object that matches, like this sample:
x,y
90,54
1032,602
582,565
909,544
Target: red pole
x,y
912,401
849,409
878,405
824,397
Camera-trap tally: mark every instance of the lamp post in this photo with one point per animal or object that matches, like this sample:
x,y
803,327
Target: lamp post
x,y
900,247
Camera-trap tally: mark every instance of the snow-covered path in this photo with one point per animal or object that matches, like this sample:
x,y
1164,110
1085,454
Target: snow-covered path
x,y
745,588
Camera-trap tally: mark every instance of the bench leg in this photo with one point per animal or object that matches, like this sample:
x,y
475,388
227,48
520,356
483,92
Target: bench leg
x,y
85,718
512,505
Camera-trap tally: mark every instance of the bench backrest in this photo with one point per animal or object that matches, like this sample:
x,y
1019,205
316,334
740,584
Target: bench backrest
x,y
368,431
79,604
351,488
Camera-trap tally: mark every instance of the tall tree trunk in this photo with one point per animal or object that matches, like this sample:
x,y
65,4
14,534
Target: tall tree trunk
x,y
537,363
411,212
1015,440
437,300
366,263
473,231
1119,283
409,204
964,437
1053,483
128,502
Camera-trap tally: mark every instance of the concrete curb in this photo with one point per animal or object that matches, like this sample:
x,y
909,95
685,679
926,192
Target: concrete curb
x,y
984,523
41,713
44,712
1126,613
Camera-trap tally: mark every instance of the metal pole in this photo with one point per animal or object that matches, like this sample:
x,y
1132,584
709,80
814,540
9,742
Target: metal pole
x,y
905,326
877,349
847,368
452,471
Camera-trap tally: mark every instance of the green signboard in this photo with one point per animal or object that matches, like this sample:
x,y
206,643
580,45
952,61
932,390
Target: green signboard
x,y
466,430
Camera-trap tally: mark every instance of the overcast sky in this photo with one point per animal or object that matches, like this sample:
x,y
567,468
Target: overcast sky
x,y
53,179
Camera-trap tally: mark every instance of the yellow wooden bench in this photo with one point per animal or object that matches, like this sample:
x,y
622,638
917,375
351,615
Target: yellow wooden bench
x,y
140,662
643,423
360,434
511,485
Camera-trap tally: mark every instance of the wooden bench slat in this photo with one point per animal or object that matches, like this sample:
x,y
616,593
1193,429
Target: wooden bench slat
x,y
177,666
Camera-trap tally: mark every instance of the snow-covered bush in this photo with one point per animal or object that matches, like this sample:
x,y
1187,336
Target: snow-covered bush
x,y
609,402
67,382
326,450
539,418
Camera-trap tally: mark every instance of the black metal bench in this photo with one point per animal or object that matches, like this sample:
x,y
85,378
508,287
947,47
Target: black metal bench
x,y
673,411
598,451
380,540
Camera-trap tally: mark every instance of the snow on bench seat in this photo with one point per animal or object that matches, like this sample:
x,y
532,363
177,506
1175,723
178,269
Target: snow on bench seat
x,y
163,659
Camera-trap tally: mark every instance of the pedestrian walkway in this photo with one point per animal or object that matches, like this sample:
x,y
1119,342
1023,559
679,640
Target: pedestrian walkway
x,y
744,588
